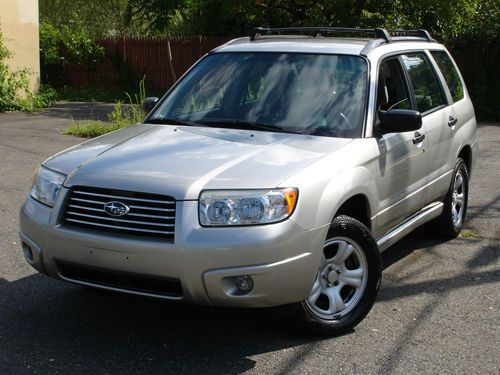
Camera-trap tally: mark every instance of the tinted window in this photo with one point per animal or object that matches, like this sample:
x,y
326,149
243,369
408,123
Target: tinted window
x,y
392,91
428,93
301,93
450,74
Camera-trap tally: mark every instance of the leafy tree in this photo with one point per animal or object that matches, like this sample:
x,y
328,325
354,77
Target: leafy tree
x,y
100,18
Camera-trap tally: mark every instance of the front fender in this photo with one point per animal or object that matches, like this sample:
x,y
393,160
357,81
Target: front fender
x,y
331,181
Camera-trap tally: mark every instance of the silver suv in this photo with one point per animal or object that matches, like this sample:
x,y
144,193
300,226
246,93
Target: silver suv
x,y
273,173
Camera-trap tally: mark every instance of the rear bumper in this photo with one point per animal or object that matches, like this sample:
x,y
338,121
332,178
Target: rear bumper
x,y
281,258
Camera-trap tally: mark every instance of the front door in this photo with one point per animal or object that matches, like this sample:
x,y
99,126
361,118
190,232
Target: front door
x,y
403,162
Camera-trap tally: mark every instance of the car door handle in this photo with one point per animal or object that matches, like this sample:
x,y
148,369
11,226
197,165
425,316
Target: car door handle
x,y
452,121
418,138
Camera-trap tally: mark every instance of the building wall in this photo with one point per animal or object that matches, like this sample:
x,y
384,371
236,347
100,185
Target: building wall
x,y
19,25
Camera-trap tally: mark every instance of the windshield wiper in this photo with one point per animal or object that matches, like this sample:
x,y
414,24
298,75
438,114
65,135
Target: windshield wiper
x,y
170,121
238,124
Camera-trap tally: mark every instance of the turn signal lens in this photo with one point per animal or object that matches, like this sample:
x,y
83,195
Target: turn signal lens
x,y
291,199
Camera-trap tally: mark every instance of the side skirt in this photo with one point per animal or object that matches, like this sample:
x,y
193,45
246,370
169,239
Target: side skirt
x,y
420,217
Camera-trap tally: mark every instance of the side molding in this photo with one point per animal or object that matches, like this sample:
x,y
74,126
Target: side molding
x,y
424,215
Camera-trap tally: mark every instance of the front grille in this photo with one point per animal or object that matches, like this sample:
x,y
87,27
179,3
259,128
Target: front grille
x,y
162,286
150,215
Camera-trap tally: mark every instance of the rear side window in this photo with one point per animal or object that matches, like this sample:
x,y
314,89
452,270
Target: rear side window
x,y
428,92
450,74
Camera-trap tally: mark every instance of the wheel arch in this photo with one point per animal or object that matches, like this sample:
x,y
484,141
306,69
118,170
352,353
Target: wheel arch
x,y
466,155
357,207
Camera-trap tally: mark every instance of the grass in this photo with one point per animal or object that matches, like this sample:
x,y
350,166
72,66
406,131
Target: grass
x,y
91,129
467,233
119,118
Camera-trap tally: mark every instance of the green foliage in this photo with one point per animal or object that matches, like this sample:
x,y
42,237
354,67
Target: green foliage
x,y
50,39
13,84
79,46
444,18
90,129
101,18
15,94
71,25
228,17
467,233
44,97
121,117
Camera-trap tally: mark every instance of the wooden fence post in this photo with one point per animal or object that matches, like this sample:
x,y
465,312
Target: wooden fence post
x,y
170,62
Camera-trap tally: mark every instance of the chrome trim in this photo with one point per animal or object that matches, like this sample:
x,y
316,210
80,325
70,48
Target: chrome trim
x,y
118,227
153,208
123,197
131,206
151,216
86,208
424,215
121,220
129,214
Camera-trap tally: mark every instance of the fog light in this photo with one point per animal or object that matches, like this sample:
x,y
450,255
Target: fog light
x,y
244,283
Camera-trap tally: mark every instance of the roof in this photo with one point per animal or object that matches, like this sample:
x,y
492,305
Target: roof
x,y
348,46
318,40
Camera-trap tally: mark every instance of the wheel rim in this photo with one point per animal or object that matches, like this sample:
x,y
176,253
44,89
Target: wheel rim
x,y
458,200
341,279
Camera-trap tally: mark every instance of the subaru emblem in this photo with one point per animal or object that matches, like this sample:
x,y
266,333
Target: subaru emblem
x,y
116,208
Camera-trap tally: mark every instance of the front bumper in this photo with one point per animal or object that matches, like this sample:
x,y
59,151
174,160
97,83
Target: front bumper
x,y
281,258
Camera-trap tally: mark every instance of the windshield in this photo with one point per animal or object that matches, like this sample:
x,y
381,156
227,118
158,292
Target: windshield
x,y
298,93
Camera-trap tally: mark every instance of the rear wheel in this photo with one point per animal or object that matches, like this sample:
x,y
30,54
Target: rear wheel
x,y
347,280
450,222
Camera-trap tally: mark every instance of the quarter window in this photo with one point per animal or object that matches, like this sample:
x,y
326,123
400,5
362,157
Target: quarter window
x,y
428,93
450,74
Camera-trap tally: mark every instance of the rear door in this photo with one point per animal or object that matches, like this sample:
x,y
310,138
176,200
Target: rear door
x,y
442,134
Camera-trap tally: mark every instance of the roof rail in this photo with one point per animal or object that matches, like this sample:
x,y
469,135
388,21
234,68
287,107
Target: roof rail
x,y
257,32
421,33
384,34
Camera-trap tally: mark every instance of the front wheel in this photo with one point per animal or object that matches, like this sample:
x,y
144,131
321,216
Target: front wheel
x,y
347,280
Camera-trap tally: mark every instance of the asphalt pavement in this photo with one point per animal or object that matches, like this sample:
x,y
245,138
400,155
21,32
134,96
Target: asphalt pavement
x,y
437,311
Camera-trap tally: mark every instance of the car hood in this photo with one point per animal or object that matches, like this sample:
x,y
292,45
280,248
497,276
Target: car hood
x,y
180,161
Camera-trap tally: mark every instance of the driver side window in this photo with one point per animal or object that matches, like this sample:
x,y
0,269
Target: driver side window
x,y
392,92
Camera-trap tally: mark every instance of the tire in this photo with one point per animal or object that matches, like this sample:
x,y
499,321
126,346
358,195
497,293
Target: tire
x,y
347,282
449,224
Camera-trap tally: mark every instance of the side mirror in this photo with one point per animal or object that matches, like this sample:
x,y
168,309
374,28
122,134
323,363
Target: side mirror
x,y
148,104
399,120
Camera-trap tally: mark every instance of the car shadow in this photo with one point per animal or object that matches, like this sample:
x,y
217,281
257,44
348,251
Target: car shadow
x,y
57,327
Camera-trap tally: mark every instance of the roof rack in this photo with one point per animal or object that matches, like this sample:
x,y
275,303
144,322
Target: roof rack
x,y
419,33
384,34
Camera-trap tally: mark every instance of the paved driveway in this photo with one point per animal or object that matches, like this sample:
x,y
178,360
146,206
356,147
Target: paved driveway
x,y
437,311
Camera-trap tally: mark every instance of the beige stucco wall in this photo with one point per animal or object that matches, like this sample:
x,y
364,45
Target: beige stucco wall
x,y
19,25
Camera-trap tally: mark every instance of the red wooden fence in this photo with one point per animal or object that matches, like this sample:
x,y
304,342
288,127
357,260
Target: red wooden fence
x,y
127,60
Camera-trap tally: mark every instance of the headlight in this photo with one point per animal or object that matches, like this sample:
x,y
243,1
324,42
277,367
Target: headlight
x,y
46,185
246,207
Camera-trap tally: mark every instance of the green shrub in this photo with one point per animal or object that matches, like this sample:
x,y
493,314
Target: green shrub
x,y
121,117
44,97
80,47
15,94
14,85
91,129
